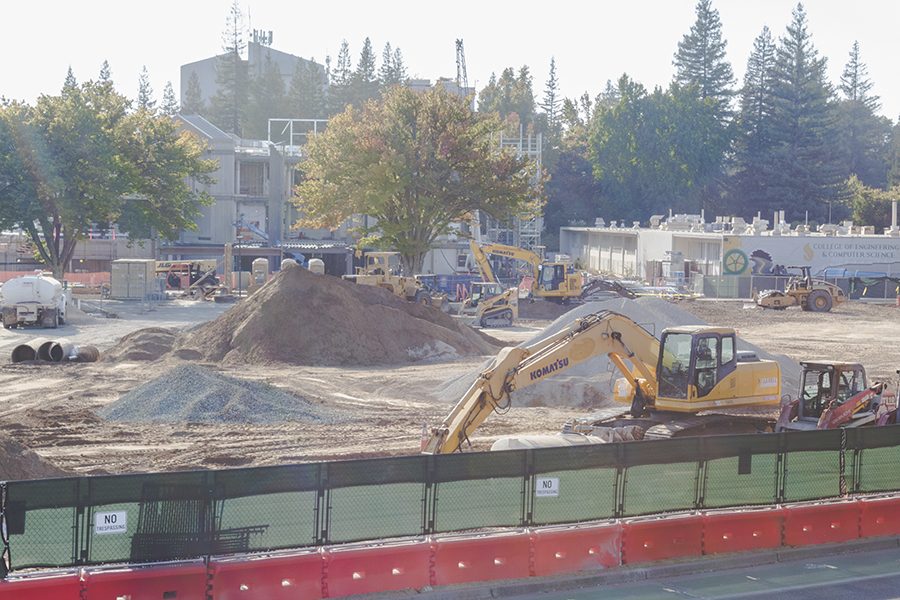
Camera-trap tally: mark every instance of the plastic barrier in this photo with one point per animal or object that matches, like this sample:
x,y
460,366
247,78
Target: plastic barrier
x,y
662,538
573,549
390,567
465,560
743,531
879,517
169,582
64,587
821,523
271,577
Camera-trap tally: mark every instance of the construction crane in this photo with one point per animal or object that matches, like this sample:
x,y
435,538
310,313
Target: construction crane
x,y
462,80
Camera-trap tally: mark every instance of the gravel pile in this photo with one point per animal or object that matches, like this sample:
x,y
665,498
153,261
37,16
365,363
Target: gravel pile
x,y
302,318
193,394
589,384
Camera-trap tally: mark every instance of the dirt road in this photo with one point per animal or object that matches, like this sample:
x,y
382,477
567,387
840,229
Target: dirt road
x,y
50,408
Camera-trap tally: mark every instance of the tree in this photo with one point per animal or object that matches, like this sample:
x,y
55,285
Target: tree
x,y
105,72
700,61
509,95
193,98
865,136
364,82
810,169
552,102
754,143
399,67
145,99
71,83
416,162
392,71
266,99
306,97
70,162
228,107
169,101
340,81
870,206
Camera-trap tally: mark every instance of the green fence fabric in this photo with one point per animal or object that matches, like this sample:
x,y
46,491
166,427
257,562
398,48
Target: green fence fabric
x,y
169,516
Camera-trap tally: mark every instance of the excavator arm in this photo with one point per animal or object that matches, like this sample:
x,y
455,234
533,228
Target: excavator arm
x,y
629,346
481,251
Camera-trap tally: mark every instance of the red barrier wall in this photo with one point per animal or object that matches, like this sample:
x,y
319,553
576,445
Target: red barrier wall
x,y
660,539
175,582
383,568
821,523
464,560
573,549
271,578
64,587
879,517
740,532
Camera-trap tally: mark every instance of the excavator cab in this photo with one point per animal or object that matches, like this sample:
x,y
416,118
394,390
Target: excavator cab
x,y
692,361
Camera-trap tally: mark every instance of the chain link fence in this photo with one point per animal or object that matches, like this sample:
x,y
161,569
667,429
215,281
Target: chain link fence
x,y
173,516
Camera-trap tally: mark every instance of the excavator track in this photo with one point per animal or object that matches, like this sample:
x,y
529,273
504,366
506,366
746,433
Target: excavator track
x,y
503,318
709,424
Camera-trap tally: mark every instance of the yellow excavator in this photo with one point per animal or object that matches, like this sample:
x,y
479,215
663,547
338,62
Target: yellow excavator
x,y
552,280
692,381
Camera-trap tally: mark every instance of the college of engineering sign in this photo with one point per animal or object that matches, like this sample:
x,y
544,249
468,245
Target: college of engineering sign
x,y
761,255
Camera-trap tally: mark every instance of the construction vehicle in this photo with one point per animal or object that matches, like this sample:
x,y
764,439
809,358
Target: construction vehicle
x,y
37,299
193,278
491,305
836,394
556,281
382,269
810,294
692,381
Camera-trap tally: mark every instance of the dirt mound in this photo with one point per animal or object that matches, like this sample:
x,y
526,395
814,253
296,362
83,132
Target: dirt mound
x,y
303,318
18,462
589,383
193,394
144,344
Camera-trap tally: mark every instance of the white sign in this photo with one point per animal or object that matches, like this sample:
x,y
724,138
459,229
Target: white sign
x,y
547,487
110,522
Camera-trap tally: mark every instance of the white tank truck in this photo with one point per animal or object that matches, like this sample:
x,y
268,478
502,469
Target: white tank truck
x,y
32,300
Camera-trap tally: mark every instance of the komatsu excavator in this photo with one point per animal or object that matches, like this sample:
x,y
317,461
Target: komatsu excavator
x,y
692,381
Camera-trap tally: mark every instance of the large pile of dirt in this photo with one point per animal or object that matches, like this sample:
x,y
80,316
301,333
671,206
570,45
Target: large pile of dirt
x,y
589,383
144,344
303,318
18,462
193,394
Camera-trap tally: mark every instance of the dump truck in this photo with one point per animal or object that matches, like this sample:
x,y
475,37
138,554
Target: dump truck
x,y
36,299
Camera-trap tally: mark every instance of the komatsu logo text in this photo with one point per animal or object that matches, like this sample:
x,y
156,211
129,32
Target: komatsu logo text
x,y
562,363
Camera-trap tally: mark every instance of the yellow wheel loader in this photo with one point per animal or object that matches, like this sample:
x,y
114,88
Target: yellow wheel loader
x,y
810,294
382,270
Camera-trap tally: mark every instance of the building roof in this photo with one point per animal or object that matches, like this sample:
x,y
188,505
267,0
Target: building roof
x,y
204,128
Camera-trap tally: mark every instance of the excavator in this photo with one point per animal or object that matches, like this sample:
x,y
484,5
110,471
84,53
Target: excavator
x,y
556,281
692,381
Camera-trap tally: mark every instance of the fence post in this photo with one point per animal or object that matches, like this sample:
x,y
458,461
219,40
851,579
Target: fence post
x,y
700,491
81,523
323,513
429,497
780,469
621,477
528,489
5,558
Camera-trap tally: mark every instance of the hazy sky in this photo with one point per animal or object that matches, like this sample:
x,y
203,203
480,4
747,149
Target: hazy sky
x,y
592,41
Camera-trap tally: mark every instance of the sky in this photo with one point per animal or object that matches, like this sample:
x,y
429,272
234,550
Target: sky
x,y
592,41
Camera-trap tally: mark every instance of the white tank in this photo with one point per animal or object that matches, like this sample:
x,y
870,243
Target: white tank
x,y
317,265
42,289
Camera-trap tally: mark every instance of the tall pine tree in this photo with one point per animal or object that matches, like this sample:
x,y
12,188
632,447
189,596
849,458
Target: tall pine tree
x,y
340,80
364,82
193,103
169,101
700,61
145,99
266,99
306,97
811,169
552,101
228,107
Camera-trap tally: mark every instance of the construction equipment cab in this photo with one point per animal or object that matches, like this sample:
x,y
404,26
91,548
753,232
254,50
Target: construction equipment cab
x,y
491,305
552,280
666,383
836,394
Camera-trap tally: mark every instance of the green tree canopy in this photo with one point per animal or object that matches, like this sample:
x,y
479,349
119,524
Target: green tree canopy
x,y
416,162
81,159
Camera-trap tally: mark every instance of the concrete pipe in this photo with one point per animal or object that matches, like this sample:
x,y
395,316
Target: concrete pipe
x,y
28,350
43,351
87,354
60,351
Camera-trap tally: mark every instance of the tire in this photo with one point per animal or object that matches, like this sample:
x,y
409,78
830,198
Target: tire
x,y
61,320
819,301
423,298
50,318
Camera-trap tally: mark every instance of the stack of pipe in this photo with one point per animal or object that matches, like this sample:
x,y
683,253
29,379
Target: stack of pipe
x,y
54,351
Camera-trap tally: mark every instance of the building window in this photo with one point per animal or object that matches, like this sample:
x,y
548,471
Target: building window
x,y
252,178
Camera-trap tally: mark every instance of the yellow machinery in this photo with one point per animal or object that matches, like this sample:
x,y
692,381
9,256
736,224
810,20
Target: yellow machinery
x,y
810,294
382,270
667,383
552,280
491,305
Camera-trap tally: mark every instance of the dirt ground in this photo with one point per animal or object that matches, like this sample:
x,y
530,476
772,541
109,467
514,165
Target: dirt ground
x,y
50,408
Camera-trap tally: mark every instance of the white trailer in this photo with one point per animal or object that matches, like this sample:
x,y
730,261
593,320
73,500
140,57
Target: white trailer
x,y
32,300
